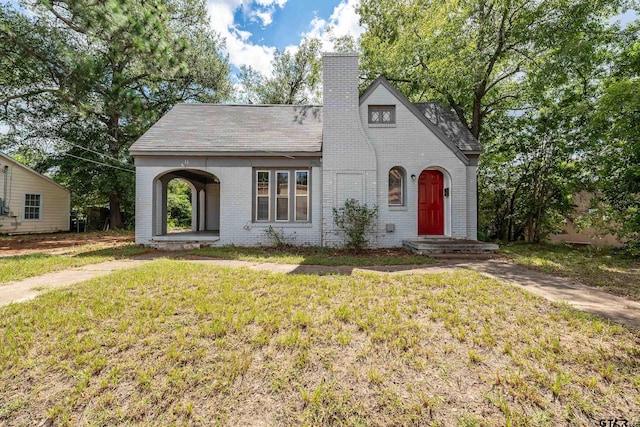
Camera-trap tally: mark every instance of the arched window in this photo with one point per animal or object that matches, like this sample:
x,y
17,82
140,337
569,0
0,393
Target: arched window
x,y
396,186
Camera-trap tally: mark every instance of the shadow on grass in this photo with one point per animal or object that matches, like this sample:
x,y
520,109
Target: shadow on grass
x,y
315,260
598,267
119,252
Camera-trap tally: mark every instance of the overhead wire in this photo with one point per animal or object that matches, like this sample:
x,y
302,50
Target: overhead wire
x,y
98,163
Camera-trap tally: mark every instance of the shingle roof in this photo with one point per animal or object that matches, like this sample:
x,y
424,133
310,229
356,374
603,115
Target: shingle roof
x,y
216,128
448,123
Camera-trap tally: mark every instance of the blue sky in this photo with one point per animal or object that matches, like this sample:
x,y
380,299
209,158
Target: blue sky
x,y
253,29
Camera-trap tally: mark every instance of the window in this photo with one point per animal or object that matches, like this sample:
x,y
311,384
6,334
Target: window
x,y
302,195
263,195
396,186
382,114
32,205
290,194
282,196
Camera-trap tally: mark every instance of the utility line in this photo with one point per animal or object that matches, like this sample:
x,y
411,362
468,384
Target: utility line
x,y
98,153
98,163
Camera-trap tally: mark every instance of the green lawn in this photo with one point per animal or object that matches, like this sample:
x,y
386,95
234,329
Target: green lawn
x,y
314,256
24,266
174,343
594,267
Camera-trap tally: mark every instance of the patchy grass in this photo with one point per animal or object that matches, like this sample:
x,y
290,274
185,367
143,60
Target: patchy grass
x,y
600,268
22,266
314,256
174,343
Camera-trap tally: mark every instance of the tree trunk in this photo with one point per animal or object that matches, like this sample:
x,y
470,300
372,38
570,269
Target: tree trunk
x,y
115,216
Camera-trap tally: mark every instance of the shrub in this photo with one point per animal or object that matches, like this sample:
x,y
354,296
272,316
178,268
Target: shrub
x,y
356,221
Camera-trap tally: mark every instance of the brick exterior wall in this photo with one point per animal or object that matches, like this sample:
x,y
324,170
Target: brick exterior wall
x,y
412,146
355,163
236,199
349,166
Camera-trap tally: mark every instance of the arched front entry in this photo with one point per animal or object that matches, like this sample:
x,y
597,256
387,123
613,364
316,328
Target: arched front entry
x,y
205,201
431,207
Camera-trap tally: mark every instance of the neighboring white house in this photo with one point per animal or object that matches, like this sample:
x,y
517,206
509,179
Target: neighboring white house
x,y
252,167
31,202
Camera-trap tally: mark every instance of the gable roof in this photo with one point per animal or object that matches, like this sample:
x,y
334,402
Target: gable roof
x,y
442,122
28,169
220,129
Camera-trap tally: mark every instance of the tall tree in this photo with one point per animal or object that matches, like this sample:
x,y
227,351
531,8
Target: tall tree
x,y
84,79
473,54
616,157
296,77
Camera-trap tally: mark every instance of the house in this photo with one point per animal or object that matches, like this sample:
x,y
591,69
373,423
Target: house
x,y
31,202
252,167
597,235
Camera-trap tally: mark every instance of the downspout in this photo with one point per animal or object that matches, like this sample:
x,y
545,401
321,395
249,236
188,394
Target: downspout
x,y
3,208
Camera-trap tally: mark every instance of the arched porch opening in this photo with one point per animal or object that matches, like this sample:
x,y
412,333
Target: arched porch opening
x,y
205,204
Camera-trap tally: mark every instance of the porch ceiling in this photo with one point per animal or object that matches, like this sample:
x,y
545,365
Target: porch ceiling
x,y
195,176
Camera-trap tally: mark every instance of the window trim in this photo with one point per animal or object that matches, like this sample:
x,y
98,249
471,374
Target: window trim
x,y
295,196
403,177
268,196
288,196
381,108
24,205
273,196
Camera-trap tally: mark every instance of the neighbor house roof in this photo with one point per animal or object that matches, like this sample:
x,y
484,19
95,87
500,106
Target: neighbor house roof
x,y
28,169
215,129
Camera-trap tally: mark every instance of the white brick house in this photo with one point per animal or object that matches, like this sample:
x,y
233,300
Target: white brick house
x,y
252,167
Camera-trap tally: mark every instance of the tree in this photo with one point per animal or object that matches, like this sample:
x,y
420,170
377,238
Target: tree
x,y
616,157
83,80
473,54
296,77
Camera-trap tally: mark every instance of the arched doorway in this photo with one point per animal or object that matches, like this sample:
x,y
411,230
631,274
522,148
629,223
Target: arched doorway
x,y
204,199
431,203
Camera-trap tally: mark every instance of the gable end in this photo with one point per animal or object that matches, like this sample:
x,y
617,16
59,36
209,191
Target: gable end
x,y
416,112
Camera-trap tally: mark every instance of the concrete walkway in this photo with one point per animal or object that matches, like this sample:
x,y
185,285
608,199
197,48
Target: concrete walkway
x,y
553,288
23,290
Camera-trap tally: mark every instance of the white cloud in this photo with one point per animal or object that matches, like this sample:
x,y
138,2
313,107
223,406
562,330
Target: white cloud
x,y
343,21
240,49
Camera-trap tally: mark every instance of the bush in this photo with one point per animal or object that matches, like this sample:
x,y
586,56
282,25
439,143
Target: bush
x,y
356,221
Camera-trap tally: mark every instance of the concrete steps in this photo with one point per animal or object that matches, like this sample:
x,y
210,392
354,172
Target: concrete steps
x,y
441,245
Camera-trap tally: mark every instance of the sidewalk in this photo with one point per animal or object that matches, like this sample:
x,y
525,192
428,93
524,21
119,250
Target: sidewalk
x,y
553,288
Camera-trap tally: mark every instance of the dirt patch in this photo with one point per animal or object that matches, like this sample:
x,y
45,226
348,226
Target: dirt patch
x,y
57,243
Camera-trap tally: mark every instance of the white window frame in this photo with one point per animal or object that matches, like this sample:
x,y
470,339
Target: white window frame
x,y
24,211
402,178
295,197
268,196
287,196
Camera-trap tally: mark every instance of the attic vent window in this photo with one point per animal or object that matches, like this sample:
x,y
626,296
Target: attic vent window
x,y
382,114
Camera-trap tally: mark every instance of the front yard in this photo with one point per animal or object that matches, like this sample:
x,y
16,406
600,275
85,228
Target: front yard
x,y
599,268
34,255
186,344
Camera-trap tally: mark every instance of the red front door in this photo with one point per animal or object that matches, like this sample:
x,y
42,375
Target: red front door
x,y
431,203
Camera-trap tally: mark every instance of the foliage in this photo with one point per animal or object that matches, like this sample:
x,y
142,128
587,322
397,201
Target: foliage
x,y
278,238
356,221
83,80
178,204
616,157
296,77
524,77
